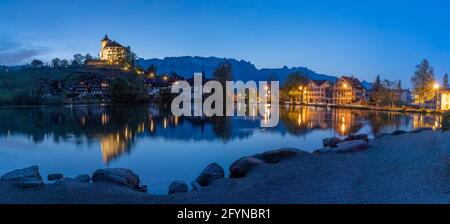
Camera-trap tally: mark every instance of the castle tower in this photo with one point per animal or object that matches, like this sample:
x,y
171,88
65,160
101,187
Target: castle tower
x,y
105,41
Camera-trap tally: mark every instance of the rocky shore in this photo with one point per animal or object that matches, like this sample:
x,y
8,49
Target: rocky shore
x,y
401,167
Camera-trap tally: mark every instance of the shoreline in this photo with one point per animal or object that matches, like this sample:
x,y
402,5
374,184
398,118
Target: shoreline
x,y
352,177
356,107
370,108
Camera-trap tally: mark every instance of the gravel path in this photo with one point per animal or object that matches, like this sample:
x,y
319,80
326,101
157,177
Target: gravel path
x,y
410,168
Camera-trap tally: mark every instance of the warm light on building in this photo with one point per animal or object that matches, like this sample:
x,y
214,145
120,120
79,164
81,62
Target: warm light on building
x,y
436,86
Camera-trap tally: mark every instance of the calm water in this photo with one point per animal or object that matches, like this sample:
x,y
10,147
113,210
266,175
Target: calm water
x,y
161,148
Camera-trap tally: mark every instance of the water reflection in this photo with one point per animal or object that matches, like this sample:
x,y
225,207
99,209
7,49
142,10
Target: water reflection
x,y
118,128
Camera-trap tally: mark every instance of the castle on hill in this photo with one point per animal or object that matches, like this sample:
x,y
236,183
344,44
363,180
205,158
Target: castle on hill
x,y
113,54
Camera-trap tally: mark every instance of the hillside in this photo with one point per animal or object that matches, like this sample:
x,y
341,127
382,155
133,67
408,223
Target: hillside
x,y
242,70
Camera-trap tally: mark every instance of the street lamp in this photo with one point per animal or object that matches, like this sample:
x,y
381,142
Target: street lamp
x,y
301,94
436,89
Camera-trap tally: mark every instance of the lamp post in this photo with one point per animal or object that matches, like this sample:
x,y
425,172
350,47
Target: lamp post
x,y
301,94
436,91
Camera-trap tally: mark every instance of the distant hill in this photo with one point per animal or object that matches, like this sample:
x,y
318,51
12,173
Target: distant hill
x,y
242,70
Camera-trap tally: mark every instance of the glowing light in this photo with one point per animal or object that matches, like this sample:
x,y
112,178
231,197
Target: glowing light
x,y
345,85
436,86
343,128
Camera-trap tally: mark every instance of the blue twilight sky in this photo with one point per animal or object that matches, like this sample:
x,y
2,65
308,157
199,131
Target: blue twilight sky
x,y
360,37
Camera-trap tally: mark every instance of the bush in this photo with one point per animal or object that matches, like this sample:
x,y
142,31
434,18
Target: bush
x,y
446,121
129,90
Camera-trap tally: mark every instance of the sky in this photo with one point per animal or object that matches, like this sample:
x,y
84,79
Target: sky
x,y
336,37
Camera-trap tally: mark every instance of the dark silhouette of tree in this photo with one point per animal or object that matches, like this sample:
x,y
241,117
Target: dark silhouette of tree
x,y
376,94
64,63
422,82
88,57
37,63
56,63
224,72
151,71
78,60
295,84
445,81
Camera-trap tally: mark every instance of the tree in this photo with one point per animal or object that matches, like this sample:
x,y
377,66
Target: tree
x,y
376,94
295,84
131,59
64,63
151,71
224,72
37,63
272,77
422,82
128,90
78,60
120,90
398,92
88,57
56,63
445,81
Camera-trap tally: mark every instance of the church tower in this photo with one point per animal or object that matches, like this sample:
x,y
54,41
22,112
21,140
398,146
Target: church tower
x,y
105,41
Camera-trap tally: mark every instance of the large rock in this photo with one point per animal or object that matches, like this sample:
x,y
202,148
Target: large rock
x,y
344,147
195,185
211,173
178,187
418,130
83,178
55,176
242,166
274,156
382,135
331,142
118,176
399,132
353,137
26,178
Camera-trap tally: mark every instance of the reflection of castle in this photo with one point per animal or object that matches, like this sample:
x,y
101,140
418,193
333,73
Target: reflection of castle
x,y
112,146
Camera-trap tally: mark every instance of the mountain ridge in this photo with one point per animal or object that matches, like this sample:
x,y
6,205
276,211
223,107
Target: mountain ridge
x,y
243,70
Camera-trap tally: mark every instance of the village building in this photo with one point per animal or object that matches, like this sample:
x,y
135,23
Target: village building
x,y
443,101
91,87
319,92
349,90
156,84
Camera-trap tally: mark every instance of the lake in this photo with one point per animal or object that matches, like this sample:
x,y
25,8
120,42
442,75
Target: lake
x,y
161,148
